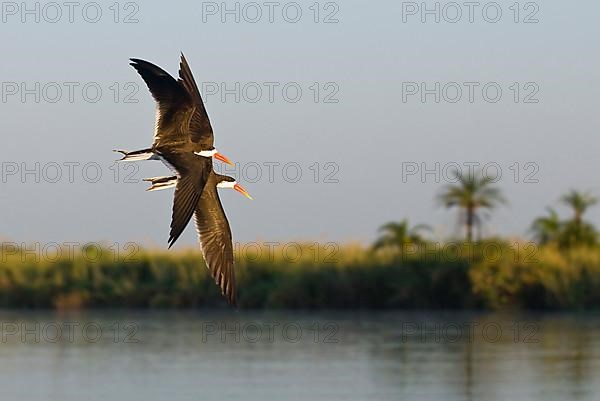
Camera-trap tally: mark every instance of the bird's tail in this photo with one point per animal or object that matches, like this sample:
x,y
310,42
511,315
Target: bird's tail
x,y
145,154
159,183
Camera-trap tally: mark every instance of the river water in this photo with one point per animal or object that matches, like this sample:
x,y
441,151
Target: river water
x,y
280,356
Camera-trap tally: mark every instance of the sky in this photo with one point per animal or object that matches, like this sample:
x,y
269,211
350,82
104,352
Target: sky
x,y
341,115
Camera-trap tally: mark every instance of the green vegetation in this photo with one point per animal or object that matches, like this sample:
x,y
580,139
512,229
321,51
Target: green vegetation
x,y
398,235
569,233
546,229
490,274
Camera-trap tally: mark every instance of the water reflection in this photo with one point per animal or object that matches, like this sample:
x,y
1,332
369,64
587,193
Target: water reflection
x,y
210,355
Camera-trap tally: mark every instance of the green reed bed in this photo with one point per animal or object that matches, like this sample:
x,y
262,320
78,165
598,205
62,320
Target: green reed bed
x,y
494,274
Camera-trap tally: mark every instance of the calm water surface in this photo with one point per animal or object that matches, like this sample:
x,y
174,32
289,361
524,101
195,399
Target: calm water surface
x,y
211,355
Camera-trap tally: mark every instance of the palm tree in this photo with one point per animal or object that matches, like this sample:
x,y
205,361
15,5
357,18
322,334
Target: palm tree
x,y
547,228
577,231
471,193
578,234
399,234
580,202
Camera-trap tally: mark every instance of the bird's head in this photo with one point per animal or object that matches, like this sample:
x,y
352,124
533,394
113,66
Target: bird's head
x,y
224,181
214,153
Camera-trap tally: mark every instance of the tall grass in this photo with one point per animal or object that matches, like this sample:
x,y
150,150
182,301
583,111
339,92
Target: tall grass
x,y
553,278
494,274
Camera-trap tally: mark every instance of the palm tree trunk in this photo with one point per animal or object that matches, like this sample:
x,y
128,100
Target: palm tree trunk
x,y
578,218
470,220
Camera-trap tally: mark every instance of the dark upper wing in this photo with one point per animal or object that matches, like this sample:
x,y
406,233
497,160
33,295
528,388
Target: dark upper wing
x,y
175,105
200,129
215,240
193,173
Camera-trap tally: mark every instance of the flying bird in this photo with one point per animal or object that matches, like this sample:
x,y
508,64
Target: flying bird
x,y
183,137
212,228
182,123
223,181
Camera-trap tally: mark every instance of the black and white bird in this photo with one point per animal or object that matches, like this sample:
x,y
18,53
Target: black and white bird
x,y
213,228
182,124
223,181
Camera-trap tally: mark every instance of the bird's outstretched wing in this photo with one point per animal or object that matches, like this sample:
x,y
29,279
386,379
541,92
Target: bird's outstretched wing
x,y
193,172
174,105
215,241
200,129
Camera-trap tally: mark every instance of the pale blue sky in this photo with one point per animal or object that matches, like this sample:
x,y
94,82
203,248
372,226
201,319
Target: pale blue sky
x,y
368,134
